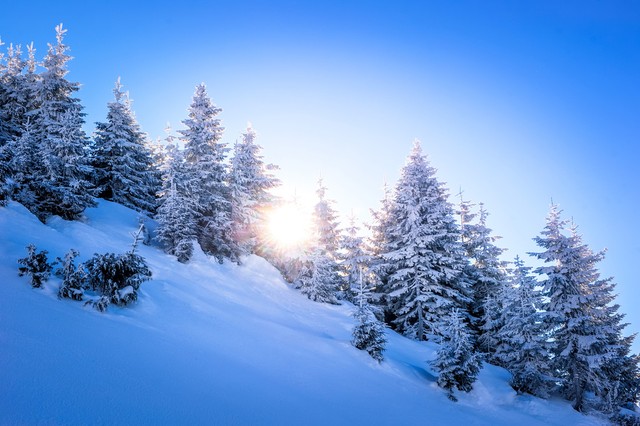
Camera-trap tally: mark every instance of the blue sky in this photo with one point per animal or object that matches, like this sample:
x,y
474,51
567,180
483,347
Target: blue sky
x,y
516,103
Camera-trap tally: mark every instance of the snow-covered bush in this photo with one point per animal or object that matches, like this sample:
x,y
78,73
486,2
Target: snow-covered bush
x,y
116,277
36,266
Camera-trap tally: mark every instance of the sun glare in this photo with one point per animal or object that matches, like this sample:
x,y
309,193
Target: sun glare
x,y
288,226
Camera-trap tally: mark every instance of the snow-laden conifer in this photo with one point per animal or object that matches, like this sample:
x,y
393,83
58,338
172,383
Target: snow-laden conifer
x,y
73,277
60,182
368,333
250,182
456,361
36,266
523,335
204,165
124,171
177,215
423,257
318,277
485,273
578,310
354,262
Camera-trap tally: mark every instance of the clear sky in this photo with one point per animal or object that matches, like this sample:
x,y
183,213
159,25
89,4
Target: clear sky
x,y
515,102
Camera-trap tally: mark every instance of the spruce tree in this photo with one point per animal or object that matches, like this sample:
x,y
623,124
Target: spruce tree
x,y
59,184
485,273
578,310
423,257
36,266
205,168
456,361
354,261
523,335
177,215
250,182
124,171
73,277
320,276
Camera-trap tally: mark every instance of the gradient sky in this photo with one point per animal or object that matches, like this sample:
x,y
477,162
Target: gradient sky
x,y
516,103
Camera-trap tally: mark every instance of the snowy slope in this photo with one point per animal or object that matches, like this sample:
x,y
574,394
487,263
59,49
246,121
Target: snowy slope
x,y
212,344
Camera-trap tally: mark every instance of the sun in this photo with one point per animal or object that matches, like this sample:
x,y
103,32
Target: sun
x,y
288,226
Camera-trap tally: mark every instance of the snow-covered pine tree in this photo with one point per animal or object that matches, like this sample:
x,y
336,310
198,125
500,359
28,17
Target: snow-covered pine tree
x,y
423,257
124,171
325,223
14,98
377,244
456,361
578,310
318,277
250,182
368,333
523,337
485,273
355,261
60,185
73,277
177,215
205,154
36,266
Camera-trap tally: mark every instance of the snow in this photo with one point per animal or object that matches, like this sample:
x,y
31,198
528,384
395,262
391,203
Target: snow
x,y
212,344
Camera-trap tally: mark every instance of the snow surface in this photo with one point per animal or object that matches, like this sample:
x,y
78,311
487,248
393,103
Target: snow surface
x,y
212,344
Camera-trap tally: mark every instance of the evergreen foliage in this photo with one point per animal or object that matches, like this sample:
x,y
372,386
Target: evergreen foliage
x,y
354,262
59,181
116,277
368,333
456,361
585,326
177,216
423,257
318,277
36,266
74,277
485,273
124,171
523,335
207,173
250,182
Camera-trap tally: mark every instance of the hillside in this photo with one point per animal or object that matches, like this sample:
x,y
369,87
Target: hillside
x,y
212,344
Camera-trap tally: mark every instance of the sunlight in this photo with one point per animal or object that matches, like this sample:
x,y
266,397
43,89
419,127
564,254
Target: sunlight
x,y
288,226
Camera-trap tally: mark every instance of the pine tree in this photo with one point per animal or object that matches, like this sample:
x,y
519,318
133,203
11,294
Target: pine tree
x,y
368,334
124,171
485,273
73,277
318,277
60,183
205,154
456,361
177,215
523,336
36,266
354,261
250,183
578,310
423,257
377,244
